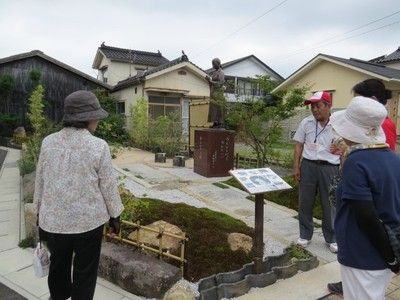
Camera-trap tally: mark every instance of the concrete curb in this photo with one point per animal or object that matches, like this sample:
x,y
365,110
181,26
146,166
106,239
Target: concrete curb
x,y
239,282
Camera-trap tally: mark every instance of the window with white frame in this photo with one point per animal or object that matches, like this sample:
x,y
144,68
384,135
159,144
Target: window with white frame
x,y
163,105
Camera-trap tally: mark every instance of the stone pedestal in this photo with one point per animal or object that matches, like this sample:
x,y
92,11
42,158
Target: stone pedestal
x,y
178,161
213,152
160,157
135,271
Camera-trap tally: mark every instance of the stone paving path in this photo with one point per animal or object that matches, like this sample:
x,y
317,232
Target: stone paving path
x,y
146,178
143,177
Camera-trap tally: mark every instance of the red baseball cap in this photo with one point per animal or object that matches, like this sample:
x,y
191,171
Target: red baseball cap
x,y
319,96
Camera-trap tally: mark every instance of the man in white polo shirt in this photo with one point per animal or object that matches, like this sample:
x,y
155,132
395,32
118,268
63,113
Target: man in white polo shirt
x,y
314,167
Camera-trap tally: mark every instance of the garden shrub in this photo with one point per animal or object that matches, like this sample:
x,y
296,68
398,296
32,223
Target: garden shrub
x,y
165,134
297,251
112,128
27,242
8,122
139,131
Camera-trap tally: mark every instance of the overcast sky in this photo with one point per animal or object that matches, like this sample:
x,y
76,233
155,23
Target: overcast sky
x,y
283,34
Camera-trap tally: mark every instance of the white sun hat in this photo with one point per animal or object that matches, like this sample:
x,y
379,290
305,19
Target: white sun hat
x,y
361,121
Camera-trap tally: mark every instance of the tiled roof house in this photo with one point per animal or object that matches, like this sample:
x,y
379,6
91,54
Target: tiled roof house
x,y
391,60
116,64
338,76
239,74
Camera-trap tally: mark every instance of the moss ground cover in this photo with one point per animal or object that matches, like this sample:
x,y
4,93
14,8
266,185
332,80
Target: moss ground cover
x,y
207,251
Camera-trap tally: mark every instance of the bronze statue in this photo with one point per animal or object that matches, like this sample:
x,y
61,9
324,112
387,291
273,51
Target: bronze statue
x,y
217,99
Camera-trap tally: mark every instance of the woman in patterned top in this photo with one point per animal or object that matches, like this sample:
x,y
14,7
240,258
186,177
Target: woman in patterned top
x,y
75,194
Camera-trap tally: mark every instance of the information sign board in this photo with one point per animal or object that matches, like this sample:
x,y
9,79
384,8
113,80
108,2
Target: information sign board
x,y
257,181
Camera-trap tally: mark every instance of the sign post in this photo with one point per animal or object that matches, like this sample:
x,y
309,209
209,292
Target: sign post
x,y
259,236
258,182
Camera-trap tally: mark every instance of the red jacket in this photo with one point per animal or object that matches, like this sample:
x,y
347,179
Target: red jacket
x,y
390,132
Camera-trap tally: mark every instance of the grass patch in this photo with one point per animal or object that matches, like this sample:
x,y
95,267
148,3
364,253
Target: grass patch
x,y
251,198
27,242
26,165
221,185
233,182
283,145
298,252
207,250
288,198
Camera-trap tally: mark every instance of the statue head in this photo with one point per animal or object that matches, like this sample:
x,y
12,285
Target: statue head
x,y
216,63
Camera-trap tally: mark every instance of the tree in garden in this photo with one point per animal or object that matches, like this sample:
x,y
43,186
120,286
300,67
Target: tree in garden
x,y
162,134
258,121
140,123
35,114
39,128
165,134
6,87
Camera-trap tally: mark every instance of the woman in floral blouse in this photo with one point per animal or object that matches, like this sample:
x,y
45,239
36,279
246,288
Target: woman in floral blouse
x,y
75,194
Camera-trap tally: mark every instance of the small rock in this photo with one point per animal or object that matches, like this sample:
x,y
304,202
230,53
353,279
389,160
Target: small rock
x,y
29,186
136,272
19,135
151,238
182,290
30,222
240,241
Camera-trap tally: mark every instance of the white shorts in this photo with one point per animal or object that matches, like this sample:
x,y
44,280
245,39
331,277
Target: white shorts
x,y
365,284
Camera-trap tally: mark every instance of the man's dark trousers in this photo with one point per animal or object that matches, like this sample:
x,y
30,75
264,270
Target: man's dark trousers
x,y
316,177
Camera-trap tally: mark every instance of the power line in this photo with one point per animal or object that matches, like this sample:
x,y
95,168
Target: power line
x,y
241,28
323,42
362,26
341,40
362,33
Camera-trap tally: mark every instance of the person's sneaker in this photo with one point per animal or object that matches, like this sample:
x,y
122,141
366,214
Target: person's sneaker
x,y
332,247
336,288
303,242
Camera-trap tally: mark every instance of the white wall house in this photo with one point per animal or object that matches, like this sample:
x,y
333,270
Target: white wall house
x,y
167,86
238,75
116,64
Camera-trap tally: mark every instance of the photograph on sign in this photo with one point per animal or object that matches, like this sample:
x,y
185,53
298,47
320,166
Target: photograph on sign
x,y
257,181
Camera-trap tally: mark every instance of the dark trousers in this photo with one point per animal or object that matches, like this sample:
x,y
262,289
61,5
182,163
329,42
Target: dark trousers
x,y
315,178
86,249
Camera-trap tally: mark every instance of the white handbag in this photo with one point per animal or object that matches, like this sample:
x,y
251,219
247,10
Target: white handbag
x,y
41,261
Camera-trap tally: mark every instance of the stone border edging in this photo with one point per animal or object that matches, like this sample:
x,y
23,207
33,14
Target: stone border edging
x,y
3,155
239,282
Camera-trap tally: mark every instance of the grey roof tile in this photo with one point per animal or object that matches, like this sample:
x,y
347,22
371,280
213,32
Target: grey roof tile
x,y
232,62
368,66
141,75
392,57
133,56
39,53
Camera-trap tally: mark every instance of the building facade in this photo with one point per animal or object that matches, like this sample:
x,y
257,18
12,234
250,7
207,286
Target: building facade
x,y
58,79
